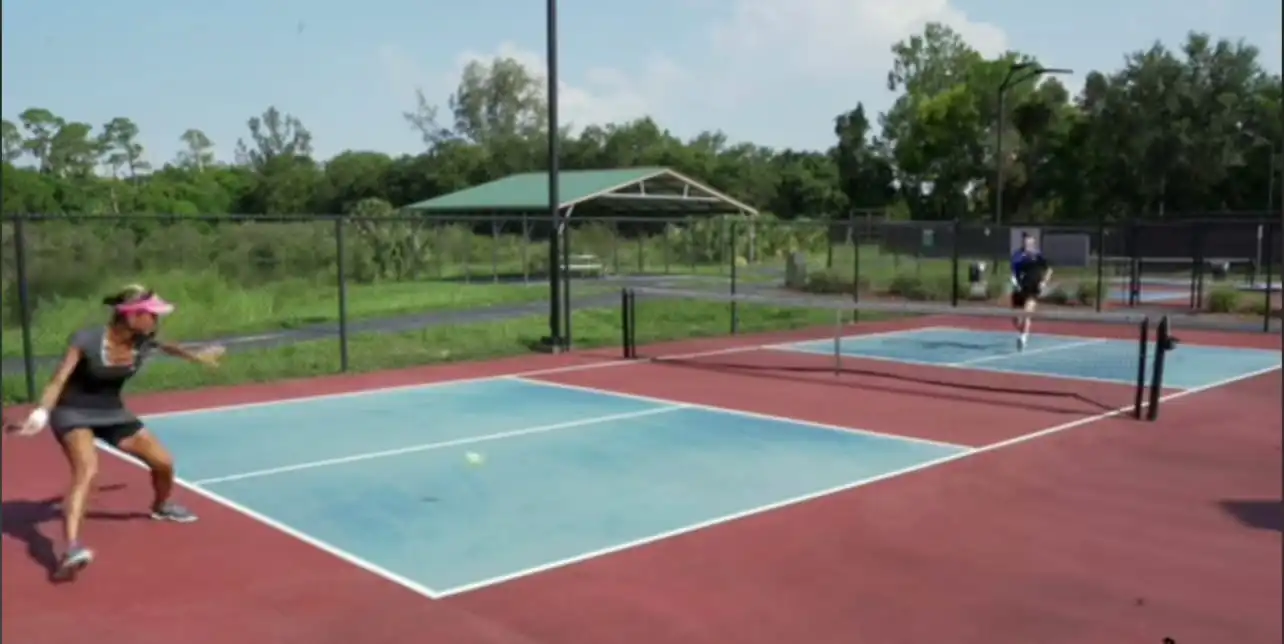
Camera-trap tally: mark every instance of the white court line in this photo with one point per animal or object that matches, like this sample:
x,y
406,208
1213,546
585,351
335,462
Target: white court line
x,y
304,537
833,490
388,574
425,447
739,412
337,552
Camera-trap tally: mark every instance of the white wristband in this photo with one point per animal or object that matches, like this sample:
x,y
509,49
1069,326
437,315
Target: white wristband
x,y
38,416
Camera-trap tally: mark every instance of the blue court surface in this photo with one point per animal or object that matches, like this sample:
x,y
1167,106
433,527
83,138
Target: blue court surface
x,y
1056,356
569,473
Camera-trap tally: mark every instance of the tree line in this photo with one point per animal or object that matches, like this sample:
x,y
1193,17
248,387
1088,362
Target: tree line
x,y
1194,129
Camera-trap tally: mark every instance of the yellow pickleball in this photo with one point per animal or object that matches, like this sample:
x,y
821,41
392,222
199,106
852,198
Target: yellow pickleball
x,y
474,459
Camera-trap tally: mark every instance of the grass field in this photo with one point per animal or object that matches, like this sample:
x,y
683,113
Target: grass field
x,y
211,306
449,343
209,309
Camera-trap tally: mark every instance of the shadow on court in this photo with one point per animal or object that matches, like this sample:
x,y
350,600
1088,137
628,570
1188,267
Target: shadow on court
x,y
25,520
781,372
1262,515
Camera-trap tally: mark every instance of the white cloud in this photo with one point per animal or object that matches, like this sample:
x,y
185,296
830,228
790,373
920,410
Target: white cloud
x,y
754,59
602,95
834,39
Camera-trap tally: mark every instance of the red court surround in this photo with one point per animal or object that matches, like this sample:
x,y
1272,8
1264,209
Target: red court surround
x,y
1114,532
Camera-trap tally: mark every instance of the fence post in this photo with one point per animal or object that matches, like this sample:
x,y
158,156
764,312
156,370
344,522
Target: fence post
x,y
342,283
955,230
1134,263
1101,261
731,242
439,248
641,244
829,243
468,250
494,250
857,239
24,305
664,246
566,277
1268,261
615,246
526,249
1197,266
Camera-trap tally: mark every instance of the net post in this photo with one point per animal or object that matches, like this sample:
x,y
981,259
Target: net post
x,y
1164,342
1143,347
954,262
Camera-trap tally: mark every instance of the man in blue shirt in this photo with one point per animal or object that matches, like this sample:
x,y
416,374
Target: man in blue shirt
x,y
1030,273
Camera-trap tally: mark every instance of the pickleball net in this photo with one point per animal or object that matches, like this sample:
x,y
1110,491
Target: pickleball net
x,y
1107,360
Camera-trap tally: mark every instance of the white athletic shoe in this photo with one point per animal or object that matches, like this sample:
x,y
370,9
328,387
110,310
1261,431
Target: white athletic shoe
x,y
1021,343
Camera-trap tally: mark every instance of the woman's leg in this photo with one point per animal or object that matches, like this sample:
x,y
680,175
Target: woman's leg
x,y
82,457
144,446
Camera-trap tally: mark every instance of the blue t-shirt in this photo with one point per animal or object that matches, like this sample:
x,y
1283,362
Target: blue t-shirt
x,y
1028,267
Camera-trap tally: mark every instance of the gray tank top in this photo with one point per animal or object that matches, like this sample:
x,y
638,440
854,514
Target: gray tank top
x,y
92,394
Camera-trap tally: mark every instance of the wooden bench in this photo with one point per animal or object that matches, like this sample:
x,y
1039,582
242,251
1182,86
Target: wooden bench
x,y
584,265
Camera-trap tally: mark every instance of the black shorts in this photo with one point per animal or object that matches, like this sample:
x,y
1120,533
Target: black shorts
x,y
1019,298
111,434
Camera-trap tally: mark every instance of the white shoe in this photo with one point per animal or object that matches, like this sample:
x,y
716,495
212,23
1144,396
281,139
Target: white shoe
x,y
1021,343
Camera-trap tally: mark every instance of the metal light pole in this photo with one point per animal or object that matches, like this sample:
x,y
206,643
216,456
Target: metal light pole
x,y
556,340
1017,73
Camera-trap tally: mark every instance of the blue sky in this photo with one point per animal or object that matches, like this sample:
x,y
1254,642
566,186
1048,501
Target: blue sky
x,y
774,72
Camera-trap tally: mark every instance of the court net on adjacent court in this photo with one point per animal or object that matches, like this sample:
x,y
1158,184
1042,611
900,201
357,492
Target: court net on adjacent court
x,y
1111,360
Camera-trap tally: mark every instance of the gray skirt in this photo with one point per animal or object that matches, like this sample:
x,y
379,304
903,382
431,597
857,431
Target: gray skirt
x,y
62,419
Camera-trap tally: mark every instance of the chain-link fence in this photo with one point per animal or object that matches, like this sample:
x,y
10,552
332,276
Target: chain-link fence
x,y
323,294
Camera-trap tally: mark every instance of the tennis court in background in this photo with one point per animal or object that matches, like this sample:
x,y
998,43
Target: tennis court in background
x,y
721,490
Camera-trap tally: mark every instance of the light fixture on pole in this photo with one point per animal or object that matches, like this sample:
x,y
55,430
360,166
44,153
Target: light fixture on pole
x,y
1017,73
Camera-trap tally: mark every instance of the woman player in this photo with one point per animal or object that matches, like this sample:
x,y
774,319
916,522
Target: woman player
x,y
1030,274
83,402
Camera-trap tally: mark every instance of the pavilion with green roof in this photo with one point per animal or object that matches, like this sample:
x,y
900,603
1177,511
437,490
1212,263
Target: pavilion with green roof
x,y
648,191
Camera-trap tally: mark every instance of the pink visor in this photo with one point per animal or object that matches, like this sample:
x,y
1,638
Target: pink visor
x,y
151,304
